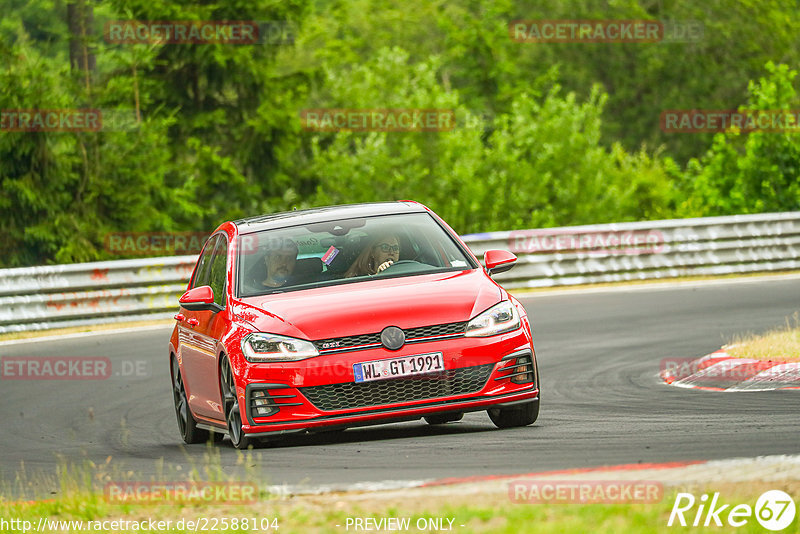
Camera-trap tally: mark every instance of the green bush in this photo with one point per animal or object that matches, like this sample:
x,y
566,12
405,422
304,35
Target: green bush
x,y
754,172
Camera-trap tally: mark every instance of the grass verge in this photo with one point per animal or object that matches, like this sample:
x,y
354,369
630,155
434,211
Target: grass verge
x,y
778,344
473,511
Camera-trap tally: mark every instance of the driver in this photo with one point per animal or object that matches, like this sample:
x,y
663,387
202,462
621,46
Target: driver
x,y
380,253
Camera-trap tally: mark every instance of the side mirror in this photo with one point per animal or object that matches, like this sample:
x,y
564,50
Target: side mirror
x,y
499,261
199,299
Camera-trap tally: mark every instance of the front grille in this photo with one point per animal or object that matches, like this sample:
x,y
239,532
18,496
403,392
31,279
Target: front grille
x,y
347,341
429,386
435,330
412,335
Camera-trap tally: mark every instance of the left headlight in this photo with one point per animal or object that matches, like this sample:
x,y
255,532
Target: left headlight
x,y
498,319
261,347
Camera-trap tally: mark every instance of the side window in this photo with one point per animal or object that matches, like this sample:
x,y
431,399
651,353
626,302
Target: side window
x,y
201,274
218,271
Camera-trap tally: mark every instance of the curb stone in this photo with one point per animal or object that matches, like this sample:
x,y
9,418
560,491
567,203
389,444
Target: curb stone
x,y
719,371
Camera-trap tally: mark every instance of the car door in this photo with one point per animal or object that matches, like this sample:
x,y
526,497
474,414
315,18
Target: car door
x,y
212,327
197,344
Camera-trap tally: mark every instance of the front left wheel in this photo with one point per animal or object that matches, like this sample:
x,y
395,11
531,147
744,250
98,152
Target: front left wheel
x,y
233,416
186,423
523,415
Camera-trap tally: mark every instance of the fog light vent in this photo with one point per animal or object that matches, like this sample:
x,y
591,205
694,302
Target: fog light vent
x,y
523,372
265,400
518,369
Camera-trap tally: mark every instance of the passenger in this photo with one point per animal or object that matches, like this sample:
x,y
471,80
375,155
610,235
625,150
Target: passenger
x,y
381,252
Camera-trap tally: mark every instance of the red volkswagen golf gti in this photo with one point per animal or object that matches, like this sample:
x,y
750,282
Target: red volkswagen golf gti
x,y
346,316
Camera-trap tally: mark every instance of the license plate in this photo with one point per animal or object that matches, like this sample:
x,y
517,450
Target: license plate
x,y
397,367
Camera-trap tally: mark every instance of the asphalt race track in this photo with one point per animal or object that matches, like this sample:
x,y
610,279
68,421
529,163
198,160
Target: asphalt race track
x,y
599,353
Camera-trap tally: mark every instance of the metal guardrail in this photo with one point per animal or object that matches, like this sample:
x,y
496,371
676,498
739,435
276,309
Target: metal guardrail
x,y
36,298
647,250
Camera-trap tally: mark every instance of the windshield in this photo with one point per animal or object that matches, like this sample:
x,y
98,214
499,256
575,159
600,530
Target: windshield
x,y
345,251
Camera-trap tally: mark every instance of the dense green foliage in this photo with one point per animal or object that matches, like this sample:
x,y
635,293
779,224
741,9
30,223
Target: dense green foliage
x,y
750,173
547,134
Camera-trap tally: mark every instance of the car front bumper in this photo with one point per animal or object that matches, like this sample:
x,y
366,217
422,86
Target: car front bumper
x,y
321,393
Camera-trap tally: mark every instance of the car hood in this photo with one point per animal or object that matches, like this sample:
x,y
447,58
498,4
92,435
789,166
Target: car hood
x,y
370,306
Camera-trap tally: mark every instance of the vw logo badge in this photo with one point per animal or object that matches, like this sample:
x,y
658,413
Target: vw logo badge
x,y
393,338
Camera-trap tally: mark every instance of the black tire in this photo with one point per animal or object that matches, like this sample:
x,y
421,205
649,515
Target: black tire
x,y
442,418
231,406
187,426
523,415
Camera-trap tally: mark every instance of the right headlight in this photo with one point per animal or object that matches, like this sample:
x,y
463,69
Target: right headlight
x,y
498,319
261,347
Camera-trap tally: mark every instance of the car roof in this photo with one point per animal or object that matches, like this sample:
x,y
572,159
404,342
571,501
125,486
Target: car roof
x,y
328,213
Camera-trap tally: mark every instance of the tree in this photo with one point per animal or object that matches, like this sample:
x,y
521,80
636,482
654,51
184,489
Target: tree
x,y
541,164
751,172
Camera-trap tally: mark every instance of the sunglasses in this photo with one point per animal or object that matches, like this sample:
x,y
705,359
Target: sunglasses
x,y
386,248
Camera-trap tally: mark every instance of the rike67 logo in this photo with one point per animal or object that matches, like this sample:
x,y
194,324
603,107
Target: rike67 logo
x,y
774,510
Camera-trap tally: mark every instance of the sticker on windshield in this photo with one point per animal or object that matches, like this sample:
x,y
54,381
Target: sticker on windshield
x,y
327,258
